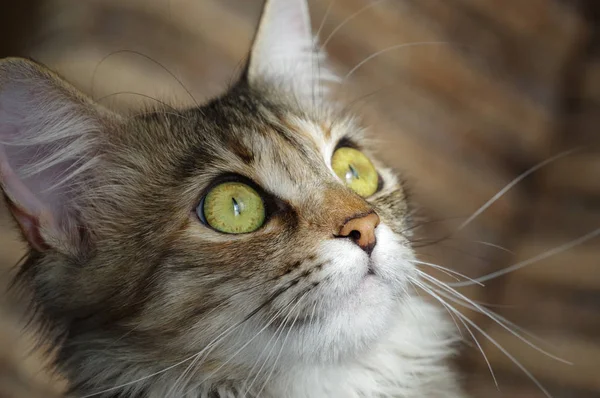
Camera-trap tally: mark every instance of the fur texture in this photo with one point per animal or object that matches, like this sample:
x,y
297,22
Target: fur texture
x,y
143,300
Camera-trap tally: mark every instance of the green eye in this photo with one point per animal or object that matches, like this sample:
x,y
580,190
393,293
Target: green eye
x,y
232,208
355,170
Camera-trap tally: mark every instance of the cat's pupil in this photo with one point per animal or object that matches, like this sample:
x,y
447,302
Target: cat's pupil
x,y
351,174
236,207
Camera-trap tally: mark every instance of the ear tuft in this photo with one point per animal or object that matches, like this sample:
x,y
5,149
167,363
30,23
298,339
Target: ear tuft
x,y
284,51
48,143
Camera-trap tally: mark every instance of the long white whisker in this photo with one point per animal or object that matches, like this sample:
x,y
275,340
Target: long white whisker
x,y
513,325
191,357
416,282
252,339
208,349
446,305
497,345
511,357
199,359
279,354
542,256
495,246
456,278
234,294
322,24
392,48
514,182
485,358
350,18
277,331
468,303
453,317
276,335
106,57
247,387
215,341
312,314
447,271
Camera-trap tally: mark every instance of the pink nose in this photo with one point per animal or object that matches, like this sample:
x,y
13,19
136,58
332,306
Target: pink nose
x,y
361,230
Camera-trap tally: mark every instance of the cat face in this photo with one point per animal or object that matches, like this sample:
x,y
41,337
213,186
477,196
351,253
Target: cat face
x,y
131,219
295,268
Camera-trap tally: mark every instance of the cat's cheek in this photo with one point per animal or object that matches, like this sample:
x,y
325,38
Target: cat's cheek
x,y
392,258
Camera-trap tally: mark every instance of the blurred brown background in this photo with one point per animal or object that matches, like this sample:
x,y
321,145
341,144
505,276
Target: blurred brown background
x,y
517,82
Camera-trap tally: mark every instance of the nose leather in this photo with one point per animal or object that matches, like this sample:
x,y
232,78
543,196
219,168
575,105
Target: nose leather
x,y
361,230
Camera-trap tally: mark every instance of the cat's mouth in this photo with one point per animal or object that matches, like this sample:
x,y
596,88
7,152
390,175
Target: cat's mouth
x,y
366,284
370,269
370,277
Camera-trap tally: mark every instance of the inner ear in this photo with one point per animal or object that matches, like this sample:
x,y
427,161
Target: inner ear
x,y
285,53
49,145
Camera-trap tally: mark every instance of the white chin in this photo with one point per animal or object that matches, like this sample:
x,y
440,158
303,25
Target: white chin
x,y
356,308
354,324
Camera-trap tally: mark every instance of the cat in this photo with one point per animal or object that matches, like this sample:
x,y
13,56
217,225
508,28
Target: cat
x,y
252,246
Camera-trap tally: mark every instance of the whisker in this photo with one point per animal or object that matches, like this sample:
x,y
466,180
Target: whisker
x,y
392,48
450,237
350,18
464,301
496,344
274,336
205,355
140,95
452,316
495,246
273,318
246,289
324,19
217,339
279,354
484,258
447,271
222,335
485,358
514,182
143,56
542,256
513,325
446,305
425,222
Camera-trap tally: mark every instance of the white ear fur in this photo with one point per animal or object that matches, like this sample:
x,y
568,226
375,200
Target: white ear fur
x,y
284,51
47,141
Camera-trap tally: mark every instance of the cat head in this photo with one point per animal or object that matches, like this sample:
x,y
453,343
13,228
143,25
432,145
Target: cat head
x,y
256,224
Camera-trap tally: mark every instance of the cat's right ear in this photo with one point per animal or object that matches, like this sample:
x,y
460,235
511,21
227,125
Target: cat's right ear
x,y
49,145
286,53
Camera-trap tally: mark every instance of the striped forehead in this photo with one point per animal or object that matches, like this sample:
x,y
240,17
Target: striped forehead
x,y
289,157
324,136
288,162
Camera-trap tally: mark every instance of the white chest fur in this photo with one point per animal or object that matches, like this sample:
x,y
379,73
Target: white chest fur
x,y
409,362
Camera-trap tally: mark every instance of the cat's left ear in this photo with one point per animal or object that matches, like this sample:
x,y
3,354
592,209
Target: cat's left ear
x,y
285,52
50,144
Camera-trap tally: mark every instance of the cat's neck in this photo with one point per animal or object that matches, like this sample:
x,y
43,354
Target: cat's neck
x,y
410,362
